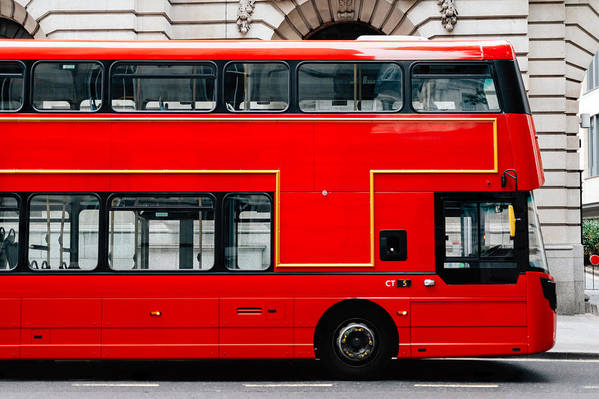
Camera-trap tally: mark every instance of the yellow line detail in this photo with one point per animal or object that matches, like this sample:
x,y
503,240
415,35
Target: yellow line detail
x,y
276,172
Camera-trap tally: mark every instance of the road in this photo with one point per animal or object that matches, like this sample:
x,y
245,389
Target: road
x,y
544,377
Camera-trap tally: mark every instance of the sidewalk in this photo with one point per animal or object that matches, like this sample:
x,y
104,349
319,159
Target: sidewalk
x,y
577,334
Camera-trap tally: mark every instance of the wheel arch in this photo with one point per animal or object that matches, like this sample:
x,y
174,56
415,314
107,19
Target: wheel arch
x,y
348,306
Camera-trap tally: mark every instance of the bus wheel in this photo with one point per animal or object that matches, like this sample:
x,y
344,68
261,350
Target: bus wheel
x,y
355,345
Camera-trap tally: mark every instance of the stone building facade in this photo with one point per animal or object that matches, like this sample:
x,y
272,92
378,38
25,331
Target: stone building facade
x,y
555,42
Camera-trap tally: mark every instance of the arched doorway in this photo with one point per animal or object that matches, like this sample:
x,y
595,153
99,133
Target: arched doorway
x,y
342,31
12,30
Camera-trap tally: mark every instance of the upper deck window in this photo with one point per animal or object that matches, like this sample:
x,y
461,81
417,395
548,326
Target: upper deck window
x,y
11,86
453,88
163,87
256,86
350,87
67,86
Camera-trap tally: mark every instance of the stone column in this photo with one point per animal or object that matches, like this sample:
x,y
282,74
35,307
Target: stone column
x,y
554,108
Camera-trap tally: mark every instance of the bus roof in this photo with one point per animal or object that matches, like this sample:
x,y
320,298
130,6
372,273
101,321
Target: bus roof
x,y
256,50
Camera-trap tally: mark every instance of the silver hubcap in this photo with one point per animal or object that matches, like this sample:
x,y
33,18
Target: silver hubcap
x,y
356,342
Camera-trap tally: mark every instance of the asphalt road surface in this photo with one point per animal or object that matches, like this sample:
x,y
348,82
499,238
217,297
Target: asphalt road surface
x,y
543,377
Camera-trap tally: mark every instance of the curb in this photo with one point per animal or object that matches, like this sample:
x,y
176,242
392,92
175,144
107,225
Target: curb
x,y
564,355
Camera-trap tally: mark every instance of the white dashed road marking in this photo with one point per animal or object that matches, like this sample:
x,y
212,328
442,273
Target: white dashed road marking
x,y
285,385
456,385
114,385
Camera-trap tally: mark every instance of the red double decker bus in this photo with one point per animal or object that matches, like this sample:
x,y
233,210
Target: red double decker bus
x,y
348,201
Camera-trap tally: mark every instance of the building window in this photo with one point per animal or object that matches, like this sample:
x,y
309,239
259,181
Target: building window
x,y
593,148
593,74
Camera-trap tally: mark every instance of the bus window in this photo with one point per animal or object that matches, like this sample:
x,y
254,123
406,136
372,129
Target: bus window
x,y
161,233
11,86
536,248
350,87
9,233
67,86
477,235
248,232
256,86
453,88
63,232
163,87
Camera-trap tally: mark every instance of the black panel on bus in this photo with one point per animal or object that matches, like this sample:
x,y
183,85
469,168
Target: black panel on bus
x,y
513,94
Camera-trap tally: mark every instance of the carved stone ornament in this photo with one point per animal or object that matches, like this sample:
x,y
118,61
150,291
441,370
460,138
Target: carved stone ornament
x,y
346,10
449,14
244,14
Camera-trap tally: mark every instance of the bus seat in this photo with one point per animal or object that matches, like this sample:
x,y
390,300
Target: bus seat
x,y
204,105
56,105
123,105
265,105
152,106
327,105
86,105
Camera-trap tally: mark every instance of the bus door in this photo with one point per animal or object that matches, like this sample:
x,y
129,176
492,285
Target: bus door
x,y
476,301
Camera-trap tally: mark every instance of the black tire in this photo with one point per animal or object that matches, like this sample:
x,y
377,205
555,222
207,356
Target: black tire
x,y
368,361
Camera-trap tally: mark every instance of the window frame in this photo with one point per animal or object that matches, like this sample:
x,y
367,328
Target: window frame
x,y
404,90
66,111
489,64
482,276
156,62
23,91
593,147
225,228
26,265
257,111
106,246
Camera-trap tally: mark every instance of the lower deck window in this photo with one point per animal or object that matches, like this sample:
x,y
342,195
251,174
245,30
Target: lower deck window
x,y
9,233
161,233
63,232
248,232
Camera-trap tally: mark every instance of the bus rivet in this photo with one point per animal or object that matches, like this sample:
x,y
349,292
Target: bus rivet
x,y
324,193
